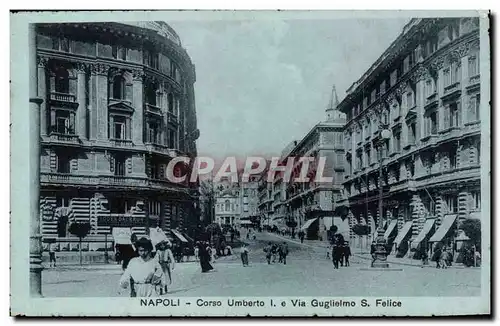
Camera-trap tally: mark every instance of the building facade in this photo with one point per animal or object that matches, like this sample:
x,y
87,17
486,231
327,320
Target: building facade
x,y
228,203
118,105
312,205
425,90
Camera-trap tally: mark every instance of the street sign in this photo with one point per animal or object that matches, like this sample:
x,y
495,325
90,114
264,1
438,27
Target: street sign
x,y
123,221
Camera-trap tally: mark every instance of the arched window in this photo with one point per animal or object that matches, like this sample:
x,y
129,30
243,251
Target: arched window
x,y
170,100
151,93
62,80
228,205
118,87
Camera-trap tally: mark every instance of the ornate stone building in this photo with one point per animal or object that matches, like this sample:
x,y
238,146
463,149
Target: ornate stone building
x,y
313,205
425,90
118,105
228,202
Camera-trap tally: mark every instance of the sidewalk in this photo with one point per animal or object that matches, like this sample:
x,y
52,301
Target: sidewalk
x,y
365,254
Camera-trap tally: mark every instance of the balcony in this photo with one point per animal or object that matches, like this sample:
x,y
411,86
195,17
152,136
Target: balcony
x,y
153,109
62,97
431,101
64,179
172,118
124,143
66,139
451,91
156,148
474,82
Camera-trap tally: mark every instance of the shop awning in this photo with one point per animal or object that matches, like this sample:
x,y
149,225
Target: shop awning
x,y
179,236
246,222
307,224
429,223
476,215
403,233
445,226
390,229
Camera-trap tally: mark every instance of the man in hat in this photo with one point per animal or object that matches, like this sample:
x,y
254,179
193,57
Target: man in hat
x,y
166,260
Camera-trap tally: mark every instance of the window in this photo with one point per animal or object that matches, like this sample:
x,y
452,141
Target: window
x,y
474,108
406,64
365,102
228,205
119,52
397,142
119,165
475,200
64,122
431,124
154,208
382,87
151,93
172,141
412,133
409,100
360,160
454,115
451,204
410,166
455,73
447,77
430,206
61,44
153,132
62,201
473,66
368,156
63,163
373,95
429,87
170,101
62,80
119,124
385,117
119,205
452,156
118,87
394,77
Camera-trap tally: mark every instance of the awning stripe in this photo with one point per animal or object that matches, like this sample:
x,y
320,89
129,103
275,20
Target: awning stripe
x,y
445,226
308,224
179,236
405,230
391,228
424,232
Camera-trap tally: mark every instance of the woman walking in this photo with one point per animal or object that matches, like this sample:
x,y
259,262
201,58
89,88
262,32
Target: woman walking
x,y
144,274
204,257
244,255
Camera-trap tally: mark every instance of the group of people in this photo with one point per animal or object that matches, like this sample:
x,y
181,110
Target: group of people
x,y
340,254
274,250
149,273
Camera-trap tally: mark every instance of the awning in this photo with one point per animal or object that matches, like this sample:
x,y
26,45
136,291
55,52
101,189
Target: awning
x,y
403,233
476,215
445,226
424,232
179,236
246,222
307,224
390,229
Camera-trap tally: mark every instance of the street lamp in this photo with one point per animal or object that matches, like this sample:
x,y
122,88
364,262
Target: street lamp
x,y
380,259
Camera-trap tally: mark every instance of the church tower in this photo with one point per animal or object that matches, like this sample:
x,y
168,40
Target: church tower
x,y
332,114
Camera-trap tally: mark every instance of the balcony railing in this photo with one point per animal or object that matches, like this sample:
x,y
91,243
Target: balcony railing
x,y
153,109
172,118
473,80
452,89
431,101
64,138
121,142
110,180
63,97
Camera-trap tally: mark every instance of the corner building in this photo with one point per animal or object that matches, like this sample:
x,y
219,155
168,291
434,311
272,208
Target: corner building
x,y
425,89
118,105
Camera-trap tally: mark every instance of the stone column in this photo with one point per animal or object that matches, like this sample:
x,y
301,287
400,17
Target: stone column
x,y
138,104
440,109
101,94
42,94
464,82
420,102
35,249
81,129
93,104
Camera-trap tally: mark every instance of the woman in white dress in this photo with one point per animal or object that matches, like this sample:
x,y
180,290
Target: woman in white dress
x,y
144,271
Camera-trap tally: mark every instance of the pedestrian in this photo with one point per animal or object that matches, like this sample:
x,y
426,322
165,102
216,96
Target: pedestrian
x,y
52,254
274,251
301,236
204,257
145,272
424,256
443,258
196,251
336,256
165,258
267,250
373,248
244,255
284,252
346,253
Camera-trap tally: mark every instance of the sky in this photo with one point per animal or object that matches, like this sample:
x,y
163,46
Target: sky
x,y
261,84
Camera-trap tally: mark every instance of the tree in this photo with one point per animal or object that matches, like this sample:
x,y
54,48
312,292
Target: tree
x,y
81,230
361,229
472,229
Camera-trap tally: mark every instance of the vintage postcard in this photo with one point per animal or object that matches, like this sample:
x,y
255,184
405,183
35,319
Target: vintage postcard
x,y
234,163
